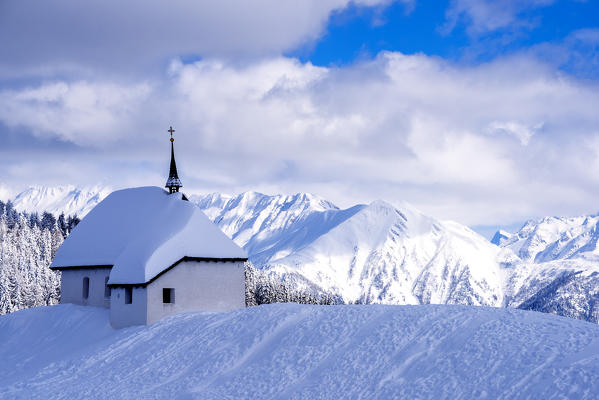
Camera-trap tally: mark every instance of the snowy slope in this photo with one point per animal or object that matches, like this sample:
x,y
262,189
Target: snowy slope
x,y
288,351
68,199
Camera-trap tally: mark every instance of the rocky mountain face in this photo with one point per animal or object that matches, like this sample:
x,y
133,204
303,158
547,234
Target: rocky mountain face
x,y
555,238
559,267
500,237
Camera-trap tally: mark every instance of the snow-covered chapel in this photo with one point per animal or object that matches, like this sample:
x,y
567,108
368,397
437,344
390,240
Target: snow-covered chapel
x,y
146,253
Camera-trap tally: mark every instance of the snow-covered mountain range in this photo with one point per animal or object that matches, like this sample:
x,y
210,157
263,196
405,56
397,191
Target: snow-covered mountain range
x,y
67,199
554,238
378,253
559,267
366,253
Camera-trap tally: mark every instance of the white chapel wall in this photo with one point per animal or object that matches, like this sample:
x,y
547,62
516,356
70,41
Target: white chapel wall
x,y
71,286
122,314
199,285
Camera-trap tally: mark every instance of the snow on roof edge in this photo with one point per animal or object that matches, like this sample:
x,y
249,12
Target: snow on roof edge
x,y
141,232
183,259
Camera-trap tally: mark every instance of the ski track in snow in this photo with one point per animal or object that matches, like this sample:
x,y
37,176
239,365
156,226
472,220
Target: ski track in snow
x,y
290,351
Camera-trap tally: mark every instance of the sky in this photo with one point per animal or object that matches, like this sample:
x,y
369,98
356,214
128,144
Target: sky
x,y
480,111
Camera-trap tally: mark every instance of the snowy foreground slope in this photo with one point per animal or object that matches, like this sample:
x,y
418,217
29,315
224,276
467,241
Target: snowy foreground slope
x,y
287,351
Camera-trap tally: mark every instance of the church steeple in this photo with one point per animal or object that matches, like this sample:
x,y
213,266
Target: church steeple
x,y
173,183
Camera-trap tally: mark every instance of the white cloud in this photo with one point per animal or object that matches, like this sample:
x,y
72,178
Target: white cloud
x,y
484,16
83,113
519,131
6,192
140,36
460,142
577,53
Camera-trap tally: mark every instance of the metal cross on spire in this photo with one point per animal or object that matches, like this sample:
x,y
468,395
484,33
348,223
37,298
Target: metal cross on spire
x,y
173,183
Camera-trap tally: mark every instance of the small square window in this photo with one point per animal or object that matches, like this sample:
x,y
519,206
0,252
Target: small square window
x,y
128,295
168,295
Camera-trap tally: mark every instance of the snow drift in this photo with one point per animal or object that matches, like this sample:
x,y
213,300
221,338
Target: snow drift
x,y
289,351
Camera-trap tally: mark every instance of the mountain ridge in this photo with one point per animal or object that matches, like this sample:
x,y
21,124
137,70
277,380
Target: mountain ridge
x,y
380,253
67,199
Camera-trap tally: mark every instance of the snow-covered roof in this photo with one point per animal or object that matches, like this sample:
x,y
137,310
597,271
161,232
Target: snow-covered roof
x,y
141,232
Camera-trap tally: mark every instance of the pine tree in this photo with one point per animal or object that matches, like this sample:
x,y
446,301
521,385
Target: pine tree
x,y
72,222
62,225
34,220
48,221
12,216
265,288
26,251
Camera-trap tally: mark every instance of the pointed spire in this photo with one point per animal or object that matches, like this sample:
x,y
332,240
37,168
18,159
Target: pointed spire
x,y
173,183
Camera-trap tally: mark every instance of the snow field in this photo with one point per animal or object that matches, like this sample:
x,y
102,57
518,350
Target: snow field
x,y
290,351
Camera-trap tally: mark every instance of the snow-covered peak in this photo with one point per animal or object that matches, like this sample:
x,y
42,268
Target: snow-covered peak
x,y
66,199
553,238
211,203
210,199
316,202
378,253
260,222
373,253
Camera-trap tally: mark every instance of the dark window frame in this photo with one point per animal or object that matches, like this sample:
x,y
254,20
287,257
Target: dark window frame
x,y
85,288
168,295
128,295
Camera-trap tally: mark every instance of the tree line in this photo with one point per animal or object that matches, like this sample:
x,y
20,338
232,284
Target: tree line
x,y
265,287
28,243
